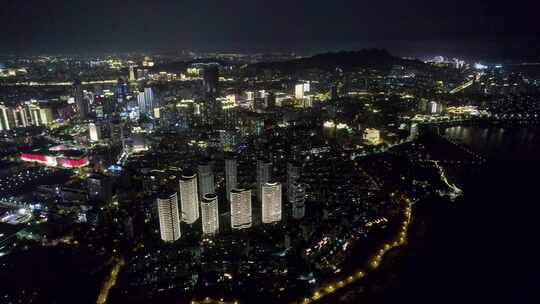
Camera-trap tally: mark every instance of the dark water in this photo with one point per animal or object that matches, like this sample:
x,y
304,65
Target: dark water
x,y
500,143
490,235
482,248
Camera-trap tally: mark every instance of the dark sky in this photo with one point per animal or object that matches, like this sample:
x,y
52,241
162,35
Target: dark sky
x,y
417,27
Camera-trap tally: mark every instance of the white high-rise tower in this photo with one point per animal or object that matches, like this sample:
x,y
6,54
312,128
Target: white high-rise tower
x,y
210,214
169,217
241,216
271,203
189,197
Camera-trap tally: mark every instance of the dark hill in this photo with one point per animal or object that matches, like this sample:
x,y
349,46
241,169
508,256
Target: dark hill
x,y
347,60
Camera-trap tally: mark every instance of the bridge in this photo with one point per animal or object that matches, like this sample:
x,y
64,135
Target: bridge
x,y
462,86
466,84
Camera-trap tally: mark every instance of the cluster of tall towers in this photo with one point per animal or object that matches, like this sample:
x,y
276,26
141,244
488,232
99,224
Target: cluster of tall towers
x,y
197,193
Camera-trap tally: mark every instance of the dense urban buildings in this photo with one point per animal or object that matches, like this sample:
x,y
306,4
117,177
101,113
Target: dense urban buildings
x,y
182,176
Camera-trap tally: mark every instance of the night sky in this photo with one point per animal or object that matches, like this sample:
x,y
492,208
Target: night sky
x,y
493,28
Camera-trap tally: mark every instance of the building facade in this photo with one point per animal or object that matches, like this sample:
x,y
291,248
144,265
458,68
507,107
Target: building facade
x,y
241,212
189,197
169,217
271,203
210,214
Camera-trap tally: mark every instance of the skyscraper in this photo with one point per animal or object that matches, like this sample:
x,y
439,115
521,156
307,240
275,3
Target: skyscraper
x,y
231,175
299,91
7,119
241,216
264,173
189,197
271,203
22,116
39,115
210,214
293,174
145,100
80,101
295,190
131,73
169,217
206,179
95,131
211,80
149,99
141,102
299,202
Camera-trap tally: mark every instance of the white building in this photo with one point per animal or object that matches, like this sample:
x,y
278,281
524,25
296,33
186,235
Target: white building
x,y
241,214
432,107
307,87
189,197
271,203
95,132
40,116
169,217
299,91
7,119
210,214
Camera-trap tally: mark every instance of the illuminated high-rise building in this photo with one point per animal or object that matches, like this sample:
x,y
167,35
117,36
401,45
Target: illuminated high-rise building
x,y
95,131
264,173
189,197
271,203
121,90
293,174
231,175
40,116
7,119
22,116
131,73
141,102
299,203
433,107
145,100
295,190
83,108
299,91
169,216
241,213
149,99
210,214
206,179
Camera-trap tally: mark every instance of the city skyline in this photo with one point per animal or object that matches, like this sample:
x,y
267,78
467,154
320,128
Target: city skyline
x,y
416,28
268,151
